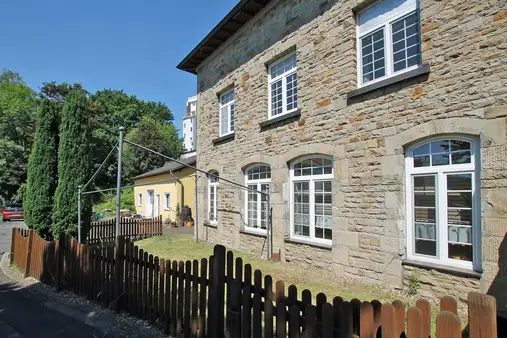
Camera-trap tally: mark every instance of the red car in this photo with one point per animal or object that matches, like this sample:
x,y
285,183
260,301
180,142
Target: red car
x,y
13,213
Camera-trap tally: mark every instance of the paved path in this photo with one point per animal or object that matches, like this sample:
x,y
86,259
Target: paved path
x,y
5,234
21,317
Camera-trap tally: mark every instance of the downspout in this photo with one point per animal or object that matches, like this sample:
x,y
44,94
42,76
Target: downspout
x,y
182,191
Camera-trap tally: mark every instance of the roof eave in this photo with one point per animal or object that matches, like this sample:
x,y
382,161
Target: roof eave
x,y
229,19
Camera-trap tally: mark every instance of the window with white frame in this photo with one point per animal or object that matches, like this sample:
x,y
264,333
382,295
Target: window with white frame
x,y
312,199
212,196
442,202
257,178
167,200
227,107
389,40
283,91
139,199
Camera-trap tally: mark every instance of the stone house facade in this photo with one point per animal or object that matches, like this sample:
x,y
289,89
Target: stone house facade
x,y
378,129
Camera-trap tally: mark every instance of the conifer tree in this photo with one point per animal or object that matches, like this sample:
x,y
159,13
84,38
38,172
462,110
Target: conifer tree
x,y
42,171
73,165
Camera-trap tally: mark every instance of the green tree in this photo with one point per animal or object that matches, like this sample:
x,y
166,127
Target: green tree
x,y
13,162
42,171
162,138
73,165
17,114
111,109
59,91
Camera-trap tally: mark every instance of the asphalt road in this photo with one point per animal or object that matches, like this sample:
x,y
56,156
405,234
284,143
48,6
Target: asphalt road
x,y
6,232
21,317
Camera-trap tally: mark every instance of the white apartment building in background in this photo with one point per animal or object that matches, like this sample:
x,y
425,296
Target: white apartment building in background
x,y
190,127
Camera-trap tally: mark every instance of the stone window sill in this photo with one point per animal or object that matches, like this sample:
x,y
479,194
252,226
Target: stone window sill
x,y
292,115
252,233
223,139
423,69
442,268
209,225
309,243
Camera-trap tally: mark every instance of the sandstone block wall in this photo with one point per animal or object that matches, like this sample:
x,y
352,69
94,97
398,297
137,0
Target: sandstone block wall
x,y
465,44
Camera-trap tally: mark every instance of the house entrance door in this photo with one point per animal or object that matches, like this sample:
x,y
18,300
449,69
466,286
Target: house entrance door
x,y
149,203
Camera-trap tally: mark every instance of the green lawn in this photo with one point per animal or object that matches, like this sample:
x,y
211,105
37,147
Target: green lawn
x,y
183,247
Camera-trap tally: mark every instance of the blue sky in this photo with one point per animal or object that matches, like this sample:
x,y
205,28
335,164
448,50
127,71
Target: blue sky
x,y
132,45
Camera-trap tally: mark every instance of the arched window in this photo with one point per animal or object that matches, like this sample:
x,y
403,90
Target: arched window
x,y
257,178
442,203
212,196
312,199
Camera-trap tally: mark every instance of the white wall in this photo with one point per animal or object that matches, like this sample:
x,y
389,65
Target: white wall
x,y
190,124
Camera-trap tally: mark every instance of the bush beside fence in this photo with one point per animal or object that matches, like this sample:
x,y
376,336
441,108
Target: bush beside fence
x,y
132,229
221,296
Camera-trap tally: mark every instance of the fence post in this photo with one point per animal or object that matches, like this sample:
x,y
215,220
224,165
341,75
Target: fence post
x,y
59,262
218,292
28,254
120,256
482,315
234,311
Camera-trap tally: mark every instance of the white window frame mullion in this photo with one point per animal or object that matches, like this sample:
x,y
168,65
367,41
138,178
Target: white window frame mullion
x,y
388,50
284,94
441,186
312,209
259,202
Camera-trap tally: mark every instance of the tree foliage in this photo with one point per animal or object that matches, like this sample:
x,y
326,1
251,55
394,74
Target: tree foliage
x,y
73,165
59,91
112,109
17,112
42,171
13,160
162,138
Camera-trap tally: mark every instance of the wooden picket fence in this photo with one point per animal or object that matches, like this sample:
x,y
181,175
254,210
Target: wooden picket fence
x,y
222,297
132,229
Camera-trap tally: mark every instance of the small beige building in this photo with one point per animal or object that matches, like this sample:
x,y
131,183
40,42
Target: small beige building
x,y
159,191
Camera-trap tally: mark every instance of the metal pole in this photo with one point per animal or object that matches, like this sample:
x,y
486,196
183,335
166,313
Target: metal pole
x,y
79,213
196,213
118,181
270,228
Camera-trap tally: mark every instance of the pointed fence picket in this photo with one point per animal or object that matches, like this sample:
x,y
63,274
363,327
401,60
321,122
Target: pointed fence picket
x,y
131,229
220,296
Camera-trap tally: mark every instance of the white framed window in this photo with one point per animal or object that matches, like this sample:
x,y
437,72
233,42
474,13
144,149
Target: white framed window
x,y
283,89
311,212
140,199
227,107
257,177
388,40
443,202
212,197
167,200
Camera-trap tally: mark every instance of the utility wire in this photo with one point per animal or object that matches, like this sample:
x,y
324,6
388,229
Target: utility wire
x,y
196,169
100,167
136,185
